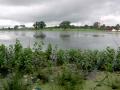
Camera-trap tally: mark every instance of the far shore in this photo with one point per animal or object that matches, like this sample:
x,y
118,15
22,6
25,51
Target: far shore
x,y
56,29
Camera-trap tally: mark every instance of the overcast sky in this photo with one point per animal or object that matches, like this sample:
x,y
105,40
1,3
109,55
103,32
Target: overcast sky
x,y
54,11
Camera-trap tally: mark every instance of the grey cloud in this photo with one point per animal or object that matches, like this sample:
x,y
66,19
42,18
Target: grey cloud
x,y
57,10
22,2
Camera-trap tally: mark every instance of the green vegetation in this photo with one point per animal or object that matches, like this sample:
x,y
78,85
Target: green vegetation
x,y
56,69
64,25
15,82
39,25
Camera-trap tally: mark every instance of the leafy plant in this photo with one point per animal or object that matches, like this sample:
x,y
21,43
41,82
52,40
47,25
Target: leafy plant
x,y
70,79
14,82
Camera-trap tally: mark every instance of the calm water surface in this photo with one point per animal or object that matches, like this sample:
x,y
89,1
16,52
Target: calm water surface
x,y
63,39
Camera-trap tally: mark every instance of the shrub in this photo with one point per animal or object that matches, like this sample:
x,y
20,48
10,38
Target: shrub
x,y
25,64
70,79
49,52
44,75
110,57
116,63
74,56
14,82
60,57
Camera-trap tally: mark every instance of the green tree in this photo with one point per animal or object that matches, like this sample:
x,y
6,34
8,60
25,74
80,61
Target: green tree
x,y
86,26
65,24
16,27
103,27
96,25
39,25
22,26
117,27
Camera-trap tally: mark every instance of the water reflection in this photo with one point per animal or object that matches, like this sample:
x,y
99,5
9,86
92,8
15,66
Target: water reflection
x,y
23,34
96,35
64,40
39,35
16,33
5,37
64,35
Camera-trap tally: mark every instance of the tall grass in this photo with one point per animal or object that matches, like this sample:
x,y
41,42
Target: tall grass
x,y
14,82
70,79
27,60
35,61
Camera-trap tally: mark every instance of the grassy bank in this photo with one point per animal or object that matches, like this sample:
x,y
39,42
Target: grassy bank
x,y
58,29
82,30
56,69
111,82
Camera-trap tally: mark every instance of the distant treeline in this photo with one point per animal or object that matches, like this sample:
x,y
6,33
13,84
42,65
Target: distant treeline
x,y
65,25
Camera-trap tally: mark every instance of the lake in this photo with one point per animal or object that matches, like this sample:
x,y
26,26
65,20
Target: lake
x,y
63,39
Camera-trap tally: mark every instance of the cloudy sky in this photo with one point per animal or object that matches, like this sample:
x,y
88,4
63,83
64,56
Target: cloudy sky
x,y
79,12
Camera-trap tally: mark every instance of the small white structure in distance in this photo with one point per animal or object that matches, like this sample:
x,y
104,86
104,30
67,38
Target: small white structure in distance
x,y
114,30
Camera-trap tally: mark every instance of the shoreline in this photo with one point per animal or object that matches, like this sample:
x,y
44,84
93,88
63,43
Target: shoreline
x,y
82,30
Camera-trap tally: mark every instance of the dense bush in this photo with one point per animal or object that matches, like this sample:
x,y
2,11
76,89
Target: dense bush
x,y
14,82
28,60
70,79
38,62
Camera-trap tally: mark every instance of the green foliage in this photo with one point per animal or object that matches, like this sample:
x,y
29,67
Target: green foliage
x,y
92,57
116,62
25,64
96,25
15,82
2,54
103,27
27,60
38,46
117,27
18,50
65,24
69,79
110,57
4,69
37,62
110,81
44,75
49,52
73,55
39,25
60,57
114,84
16,27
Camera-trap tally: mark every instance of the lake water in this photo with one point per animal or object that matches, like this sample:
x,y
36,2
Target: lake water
x,y
63,39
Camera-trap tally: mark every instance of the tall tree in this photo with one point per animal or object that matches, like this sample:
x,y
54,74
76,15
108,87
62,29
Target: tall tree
x,y
103,27
96,25
65,24
16,27
23,26
39,25
86,26
117,27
